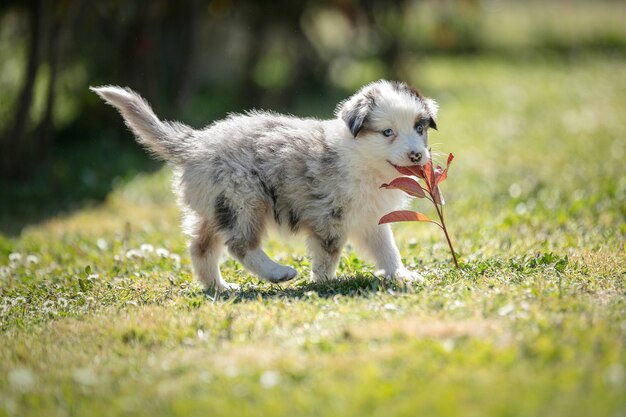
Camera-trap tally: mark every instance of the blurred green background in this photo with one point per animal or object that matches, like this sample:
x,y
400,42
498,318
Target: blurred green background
x,y
61,149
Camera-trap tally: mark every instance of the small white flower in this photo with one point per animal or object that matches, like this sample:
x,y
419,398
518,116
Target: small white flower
x,y
15,257
269,379
175,258
162,252
22,379
515,190
231,371
4,271
506,310
102,244
48,307
146,248
85,376
133,253
32,259
448,345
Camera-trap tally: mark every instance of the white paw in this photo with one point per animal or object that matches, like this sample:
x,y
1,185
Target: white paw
x,y
224,286
403,275
280,273
319,277
409,277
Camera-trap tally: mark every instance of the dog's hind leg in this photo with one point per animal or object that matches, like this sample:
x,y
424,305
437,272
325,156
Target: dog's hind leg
x,y
205,249
242,225
325,252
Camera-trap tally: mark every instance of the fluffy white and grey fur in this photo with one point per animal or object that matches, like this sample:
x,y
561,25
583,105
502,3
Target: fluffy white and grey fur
x,y
318,177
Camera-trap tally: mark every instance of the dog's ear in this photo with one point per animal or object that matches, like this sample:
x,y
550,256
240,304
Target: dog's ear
x,y
430,104
432,108
354,110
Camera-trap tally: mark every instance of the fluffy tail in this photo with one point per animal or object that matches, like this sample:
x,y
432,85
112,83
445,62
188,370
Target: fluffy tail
x,y
170,141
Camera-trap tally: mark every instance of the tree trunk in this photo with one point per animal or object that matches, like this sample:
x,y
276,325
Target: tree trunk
x,y
14,146
45,129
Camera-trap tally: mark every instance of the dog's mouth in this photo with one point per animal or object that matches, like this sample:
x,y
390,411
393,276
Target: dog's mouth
x,y
403,166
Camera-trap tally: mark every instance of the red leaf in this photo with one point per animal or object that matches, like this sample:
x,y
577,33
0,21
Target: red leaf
x,y
413,170
450,158
408,185
428,174
403,170
403,216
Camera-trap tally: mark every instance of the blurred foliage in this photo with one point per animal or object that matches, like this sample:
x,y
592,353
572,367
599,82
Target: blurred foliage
x,y
201,59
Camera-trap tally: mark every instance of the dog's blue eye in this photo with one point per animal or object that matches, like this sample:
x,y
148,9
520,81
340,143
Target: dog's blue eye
x,y
388,132
419,129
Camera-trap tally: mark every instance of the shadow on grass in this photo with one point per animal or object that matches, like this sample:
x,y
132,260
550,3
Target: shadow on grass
x,y
78,173
360,285
511,271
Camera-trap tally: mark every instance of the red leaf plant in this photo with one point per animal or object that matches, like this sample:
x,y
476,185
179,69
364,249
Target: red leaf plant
x,y
432,178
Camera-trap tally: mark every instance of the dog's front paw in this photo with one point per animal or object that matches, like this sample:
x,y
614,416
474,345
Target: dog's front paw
x,y
409,277
221,287
281,273
229,286
403,275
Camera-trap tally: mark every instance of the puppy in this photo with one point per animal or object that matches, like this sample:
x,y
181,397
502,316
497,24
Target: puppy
x,y
317,177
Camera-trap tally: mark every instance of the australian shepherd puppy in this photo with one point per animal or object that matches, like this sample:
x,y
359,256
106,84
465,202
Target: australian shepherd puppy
x,y
317,177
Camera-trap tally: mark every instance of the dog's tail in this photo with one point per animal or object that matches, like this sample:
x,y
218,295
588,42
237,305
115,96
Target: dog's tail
x,y
170,141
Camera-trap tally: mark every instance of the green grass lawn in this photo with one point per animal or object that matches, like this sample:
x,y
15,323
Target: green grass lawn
x,y
99,314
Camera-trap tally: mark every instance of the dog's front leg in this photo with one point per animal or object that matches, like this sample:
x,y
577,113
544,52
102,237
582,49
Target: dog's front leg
x,y
378,242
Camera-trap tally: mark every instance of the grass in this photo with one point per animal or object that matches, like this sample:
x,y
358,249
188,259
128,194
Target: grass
x,y
99,314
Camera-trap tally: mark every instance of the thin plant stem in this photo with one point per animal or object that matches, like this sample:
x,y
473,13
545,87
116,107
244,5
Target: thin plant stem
x,y
443,223
445,232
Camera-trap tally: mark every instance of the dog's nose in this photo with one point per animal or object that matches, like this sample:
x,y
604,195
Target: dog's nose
x,y
415,157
